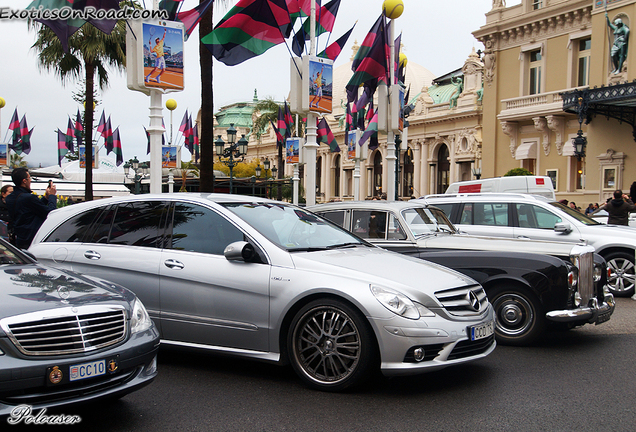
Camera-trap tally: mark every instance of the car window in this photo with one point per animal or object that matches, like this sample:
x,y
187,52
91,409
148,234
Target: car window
x,y
422,221
492,214
446,208
75,228
369,224
199,229
102,226
337,217
395,229
138,224
532,216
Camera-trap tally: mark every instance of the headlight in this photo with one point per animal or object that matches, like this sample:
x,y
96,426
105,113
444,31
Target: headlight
x,y
397,302
140,320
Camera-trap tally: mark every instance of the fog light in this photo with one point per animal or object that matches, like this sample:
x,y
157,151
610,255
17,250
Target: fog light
x,y
418,354
152,367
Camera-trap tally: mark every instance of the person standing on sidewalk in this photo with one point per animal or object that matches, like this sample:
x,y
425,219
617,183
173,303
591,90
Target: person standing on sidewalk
x,y
618,209
26,210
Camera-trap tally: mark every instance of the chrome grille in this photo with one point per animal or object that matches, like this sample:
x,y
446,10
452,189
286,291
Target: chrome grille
x,y
463,301
585,263
67,330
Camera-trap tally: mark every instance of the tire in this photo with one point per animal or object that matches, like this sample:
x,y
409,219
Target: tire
x,y
621,279
519,316
331,345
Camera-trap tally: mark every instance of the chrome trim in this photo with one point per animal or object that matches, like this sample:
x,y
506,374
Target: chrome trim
x,y
268,356
194,319
589,313
463,301
75,324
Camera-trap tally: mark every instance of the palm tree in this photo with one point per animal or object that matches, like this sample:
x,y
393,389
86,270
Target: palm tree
x,y
91,53
16,161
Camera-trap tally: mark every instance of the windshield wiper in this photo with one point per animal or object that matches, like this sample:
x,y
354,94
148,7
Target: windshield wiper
x,y
344,245
306,249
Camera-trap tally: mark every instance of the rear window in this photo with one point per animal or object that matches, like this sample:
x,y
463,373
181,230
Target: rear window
x,y
74,229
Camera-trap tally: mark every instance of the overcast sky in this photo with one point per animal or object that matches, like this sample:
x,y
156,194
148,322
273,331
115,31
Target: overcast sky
x,y
435,34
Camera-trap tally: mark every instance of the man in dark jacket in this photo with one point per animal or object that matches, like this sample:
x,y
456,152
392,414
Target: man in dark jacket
x,y
27,210
618,209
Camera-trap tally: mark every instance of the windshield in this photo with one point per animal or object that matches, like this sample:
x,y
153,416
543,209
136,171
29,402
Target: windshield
x,y
575,214
7,256
423,221
293,228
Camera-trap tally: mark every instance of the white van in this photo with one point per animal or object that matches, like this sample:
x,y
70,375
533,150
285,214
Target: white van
x,y
536,185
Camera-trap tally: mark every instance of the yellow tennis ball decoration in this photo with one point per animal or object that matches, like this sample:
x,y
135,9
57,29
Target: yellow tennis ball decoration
x,y
403,60
2,103
171,104
94,105
392,9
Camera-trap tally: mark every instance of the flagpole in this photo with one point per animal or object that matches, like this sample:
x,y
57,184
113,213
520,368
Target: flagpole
x,y
311,146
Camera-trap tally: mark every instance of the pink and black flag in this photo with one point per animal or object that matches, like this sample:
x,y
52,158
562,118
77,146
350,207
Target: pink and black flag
x,y
24,144
79,129
372,129
171,6
116,140
324,135
325,20
102,123
61,146
108,136
197,147
248,30
70,134
333,51
192,17
279,138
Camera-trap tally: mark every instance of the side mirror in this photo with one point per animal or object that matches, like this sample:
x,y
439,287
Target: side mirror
x,y
563,227
239,251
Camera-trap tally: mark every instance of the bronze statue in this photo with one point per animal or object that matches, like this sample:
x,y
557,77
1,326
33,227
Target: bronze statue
x,y
619,48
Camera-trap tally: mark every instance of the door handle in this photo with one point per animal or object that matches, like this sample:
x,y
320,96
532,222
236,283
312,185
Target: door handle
x,y
92,255
523,237
174,264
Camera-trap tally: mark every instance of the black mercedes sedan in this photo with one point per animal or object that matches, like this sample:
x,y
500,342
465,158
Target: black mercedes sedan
x,y
67,338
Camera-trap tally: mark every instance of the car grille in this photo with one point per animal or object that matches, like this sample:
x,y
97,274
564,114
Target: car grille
x,y
66,331
469,348
463,301
585,263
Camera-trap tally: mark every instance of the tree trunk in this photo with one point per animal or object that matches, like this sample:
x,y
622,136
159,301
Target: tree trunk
x,y
206,172
88,128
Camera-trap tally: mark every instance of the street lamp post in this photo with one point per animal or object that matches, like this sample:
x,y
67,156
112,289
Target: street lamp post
x,y
135,167
229,156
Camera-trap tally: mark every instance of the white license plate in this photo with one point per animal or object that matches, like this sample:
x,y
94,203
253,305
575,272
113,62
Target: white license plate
x,y
481,331
87,370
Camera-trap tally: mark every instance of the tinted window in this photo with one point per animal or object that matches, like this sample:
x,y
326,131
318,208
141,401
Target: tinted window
x,y
200,229
138,224
74,229
446,208
102,226
369,224
485,214
337,217
531,216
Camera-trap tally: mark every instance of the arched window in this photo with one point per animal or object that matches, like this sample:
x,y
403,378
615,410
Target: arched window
x,y
377,174
443,169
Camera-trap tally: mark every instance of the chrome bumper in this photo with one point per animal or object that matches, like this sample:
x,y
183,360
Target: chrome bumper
x,y
593,314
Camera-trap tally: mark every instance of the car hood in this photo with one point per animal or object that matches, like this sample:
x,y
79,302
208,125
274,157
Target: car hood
x,y
34,287
376,265
473,242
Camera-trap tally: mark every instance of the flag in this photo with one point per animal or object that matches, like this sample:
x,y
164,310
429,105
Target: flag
x,y
348,123
283,130
289,120
372,66
70,134
333,51
21,138
248,30
324,135
368,42
79,129
104,25
26,142
63,29
192,17
61,146
184,122
325,19
108,136
15,121
102,123
171,6
396,60
279,137
188,135
197,148
372,129
116,141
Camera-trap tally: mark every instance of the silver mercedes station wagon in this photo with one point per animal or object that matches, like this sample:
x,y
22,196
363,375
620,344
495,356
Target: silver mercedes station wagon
x,y
264,279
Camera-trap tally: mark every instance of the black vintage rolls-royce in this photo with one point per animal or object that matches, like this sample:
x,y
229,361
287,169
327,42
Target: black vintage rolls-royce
x,y
532,285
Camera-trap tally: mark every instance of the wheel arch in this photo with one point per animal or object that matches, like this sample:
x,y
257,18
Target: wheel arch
x,y
612,249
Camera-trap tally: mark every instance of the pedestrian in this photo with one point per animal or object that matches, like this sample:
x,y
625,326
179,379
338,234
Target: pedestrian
x,y
590,209
574,207
26,210
618,209
4,212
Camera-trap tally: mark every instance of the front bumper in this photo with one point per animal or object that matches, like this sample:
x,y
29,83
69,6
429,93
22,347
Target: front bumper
x,y
445,342
23,380
593,313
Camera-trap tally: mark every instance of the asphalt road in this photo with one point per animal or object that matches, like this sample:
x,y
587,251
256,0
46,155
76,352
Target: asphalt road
x,y
580,380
